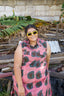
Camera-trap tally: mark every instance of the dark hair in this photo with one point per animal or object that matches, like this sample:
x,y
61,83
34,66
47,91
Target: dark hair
x,y
29,26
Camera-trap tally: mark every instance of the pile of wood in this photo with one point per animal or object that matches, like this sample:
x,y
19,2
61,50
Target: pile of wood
x,y
51,33
8,47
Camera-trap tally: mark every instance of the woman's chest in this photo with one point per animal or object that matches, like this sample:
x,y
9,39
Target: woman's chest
x,y
34,54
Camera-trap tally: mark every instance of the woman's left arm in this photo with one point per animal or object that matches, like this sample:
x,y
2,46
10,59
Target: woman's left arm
x,y
48,54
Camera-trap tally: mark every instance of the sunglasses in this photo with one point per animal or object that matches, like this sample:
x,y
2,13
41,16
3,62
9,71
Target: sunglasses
x,y
34,33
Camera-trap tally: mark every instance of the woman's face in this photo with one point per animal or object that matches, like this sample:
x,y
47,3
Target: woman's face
x,y
32,34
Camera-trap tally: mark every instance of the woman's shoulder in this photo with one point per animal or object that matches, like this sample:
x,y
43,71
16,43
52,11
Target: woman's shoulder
x,y
18,49
23,43
41,40
20,42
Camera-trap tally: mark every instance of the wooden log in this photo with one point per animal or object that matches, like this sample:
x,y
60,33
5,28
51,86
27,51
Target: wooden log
x,y
57,55
57,67
56,74
6,61
50,34
57,28
7,45
11,48
54,29
43,35
6,65
61,39
9,86
48,31
52,60
8,56
7,69
3,75
4,53
55,60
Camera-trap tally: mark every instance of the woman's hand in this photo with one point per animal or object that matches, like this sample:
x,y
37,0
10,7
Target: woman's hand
x,y
21,91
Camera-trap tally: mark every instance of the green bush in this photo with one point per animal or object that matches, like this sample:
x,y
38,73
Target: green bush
x,y
28,18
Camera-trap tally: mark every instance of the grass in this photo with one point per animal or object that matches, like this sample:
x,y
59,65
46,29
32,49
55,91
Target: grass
x,y
4,93
3,88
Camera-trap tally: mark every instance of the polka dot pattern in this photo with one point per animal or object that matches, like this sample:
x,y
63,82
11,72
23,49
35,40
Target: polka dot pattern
x,y
33,54
30,75
49,91
22,73
46,93
46,81
29,94
23,64
38,84
17,85
24,44
15,93
44,44
34,70
26,52
26,59
33,64
29,85
40,93
38,75
44,64
46,72
38,64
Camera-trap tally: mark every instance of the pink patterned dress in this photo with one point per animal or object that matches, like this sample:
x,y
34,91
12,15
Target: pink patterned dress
x,y
34,70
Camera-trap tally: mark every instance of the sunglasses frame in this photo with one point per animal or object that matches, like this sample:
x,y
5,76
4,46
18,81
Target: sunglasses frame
x,y
32,33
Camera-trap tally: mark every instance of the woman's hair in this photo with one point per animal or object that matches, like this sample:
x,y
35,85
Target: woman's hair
x,y
29,26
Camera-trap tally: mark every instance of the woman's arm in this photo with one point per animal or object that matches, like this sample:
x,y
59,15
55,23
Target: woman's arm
x,y
17,68
48,54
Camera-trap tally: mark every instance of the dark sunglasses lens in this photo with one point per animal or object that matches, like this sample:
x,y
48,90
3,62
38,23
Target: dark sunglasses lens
x,y
29,34
35,32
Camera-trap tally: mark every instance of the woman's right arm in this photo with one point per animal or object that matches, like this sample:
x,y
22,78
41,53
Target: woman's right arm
x,y
17,69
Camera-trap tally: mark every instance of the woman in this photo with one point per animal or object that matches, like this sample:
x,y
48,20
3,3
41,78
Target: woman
x,y
31,61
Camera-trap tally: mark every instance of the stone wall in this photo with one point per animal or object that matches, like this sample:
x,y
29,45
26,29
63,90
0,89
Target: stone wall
x,y
43,9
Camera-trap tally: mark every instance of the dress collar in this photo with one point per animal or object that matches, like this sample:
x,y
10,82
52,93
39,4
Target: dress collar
x,y
28,44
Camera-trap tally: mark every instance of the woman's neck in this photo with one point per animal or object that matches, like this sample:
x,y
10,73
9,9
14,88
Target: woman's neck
x,y
33,43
